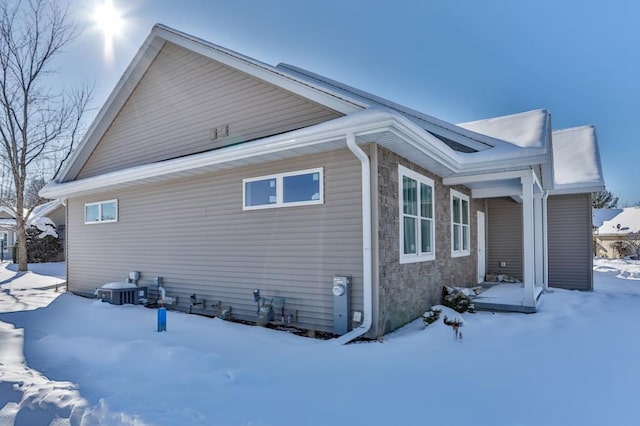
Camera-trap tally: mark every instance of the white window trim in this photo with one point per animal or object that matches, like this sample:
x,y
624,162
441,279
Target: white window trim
x,y
279,177
418,257
99,204
465,228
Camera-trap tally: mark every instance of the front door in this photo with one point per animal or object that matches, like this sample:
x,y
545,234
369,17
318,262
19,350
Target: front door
x,y
482,259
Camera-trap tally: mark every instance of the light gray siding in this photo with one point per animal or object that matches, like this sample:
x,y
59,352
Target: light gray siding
x,y
182,96
570,242
194,233
504,232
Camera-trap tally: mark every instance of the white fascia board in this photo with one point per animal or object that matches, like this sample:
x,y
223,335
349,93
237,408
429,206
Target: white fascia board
x,y
198,163
497,191
577,189
547,168
485,177
360,123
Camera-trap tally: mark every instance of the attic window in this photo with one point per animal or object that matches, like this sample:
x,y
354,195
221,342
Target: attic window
x,y
300,188
101,212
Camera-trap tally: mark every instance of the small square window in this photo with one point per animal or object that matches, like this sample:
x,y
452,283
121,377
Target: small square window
x,y
101,212
299,188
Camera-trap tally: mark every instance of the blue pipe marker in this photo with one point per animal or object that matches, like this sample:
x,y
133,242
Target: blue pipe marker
x,y
162,319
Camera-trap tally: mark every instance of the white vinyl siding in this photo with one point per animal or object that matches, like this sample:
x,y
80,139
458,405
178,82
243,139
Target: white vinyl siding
x,y
459,224
299,188
101,212
417,230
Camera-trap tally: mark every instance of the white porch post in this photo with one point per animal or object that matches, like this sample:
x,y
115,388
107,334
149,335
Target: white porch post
x,y
538,216
528,229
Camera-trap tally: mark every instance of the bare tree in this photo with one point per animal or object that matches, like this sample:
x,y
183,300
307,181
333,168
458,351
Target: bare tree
x,y
632,241
35,121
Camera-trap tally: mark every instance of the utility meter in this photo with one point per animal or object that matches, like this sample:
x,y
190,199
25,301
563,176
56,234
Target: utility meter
x,y
341,303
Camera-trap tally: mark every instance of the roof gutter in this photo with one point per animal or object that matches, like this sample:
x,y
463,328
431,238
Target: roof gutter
x,y
367,261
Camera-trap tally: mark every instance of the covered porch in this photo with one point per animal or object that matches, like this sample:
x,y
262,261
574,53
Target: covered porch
x,y
515,240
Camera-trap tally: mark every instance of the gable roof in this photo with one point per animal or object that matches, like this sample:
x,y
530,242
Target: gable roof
x,y
576,160
38,212
45,209
504,143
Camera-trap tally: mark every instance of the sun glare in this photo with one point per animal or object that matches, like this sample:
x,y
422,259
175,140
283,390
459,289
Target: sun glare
x,y
108,19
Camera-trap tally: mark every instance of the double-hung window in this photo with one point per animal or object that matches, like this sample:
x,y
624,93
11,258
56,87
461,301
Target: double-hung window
x,y
417,231
101,212
459,224
299,188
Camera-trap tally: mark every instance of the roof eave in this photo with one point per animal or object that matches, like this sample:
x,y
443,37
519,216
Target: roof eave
x,y
324,136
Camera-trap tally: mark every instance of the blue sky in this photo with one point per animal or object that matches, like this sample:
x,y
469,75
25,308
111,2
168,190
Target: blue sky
x,y
459,61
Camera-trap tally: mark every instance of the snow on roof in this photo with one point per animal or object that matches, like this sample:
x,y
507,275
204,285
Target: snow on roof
x,y
44,209
599,216
576,160
621,221
527,129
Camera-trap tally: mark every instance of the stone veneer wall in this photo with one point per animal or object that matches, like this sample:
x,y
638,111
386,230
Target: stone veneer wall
x,y
406,291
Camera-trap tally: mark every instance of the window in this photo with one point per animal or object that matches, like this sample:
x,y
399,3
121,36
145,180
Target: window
x,y
301,188
101,212
417,232
459,224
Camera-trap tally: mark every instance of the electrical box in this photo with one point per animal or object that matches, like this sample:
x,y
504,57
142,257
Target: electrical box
x,y
341,303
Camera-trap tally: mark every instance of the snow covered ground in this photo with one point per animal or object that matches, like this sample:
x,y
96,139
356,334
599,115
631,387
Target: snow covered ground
x,y
69,360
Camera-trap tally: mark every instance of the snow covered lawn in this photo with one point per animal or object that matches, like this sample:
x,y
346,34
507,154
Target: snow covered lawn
x,y
69,360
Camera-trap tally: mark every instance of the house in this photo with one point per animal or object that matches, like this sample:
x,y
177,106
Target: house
x,y
7,232
614,229
224,175
54,210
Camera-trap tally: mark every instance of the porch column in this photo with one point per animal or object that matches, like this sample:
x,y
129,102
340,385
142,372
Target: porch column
x,y
538,216
528,249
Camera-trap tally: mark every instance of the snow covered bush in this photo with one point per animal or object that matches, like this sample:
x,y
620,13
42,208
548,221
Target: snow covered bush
x,y
459,300
43,244
431,316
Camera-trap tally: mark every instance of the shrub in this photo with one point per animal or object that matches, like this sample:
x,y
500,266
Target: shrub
x,y
431,316
459,302
39,250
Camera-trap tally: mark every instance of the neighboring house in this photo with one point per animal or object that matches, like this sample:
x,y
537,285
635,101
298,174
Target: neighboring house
x,y
54,210
7,232
223,174
612,228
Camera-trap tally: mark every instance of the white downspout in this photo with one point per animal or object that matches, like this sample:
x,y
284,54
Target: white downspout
x,y
367,282
545,245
